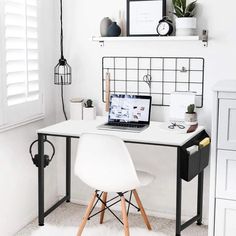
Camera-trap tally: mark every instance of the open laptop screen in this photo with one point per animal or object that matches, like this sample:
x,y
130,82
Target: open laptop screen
x,y
130,108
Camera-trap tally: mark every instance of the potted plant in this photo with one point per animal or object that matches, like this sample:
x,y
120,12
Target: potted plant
x,y
191,115
185,22
89,111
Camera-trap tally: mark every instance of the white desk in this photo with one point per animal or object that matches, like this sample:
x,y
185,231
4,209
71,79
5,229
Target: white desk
x,y
153,135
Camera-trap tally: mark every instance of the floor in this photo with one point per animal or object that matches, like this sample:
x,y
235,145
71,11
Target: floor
x,y
70,214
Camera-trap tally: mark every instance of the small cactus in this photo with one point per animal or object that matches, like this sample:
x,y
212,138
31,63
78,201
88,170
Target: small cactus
x,y
190,109
88,103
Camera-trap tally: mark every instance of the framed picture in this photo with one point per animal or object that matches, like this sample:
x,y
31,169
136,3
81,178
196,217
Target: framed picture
x,y
143,16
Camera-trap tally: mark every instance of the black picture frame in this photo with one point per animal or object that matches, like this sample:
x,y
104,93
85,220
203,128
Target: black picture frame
x,y
130,14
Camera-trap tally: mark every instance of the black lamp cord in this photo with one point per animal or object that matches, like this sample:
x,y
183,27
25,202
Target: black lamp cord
x,y
62,99
62,57
61,19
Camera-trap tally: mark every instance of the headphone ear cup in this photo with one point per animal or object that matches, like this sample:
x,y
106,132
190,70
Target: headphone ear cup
x,y
36,160
46,160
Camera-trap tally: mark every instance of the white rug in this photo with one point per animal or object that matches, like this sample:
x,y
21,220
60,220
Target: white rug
x,y
49,230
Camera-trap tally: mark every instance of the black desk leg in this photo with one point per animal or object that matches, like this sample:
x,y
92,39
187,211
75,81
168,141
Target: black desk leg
x,y
200,197
68,169
41,180
178,195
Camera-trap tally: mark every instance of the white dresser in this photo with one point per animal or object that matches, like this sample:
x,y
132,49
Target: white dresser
x,y
222,213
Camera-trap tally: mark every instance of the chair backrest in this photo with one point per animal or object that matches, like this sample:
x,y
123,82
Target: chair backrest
x,y
104,163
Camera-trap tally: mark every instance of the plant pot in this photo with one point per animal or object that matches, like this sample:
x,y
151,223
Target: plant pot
x,y
89,113
190,118
186,26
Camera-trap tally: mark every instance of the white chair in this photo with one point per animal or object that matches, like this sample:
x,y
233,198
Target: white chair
x,y
104,163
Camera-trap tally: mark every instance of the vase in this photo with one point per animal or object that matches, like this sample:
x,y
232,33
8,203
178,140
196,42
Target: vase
x,y
114,30
186,26
105,23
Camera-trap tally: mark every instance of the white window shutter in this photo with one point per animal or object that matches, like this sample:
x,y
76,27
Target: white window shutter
x,y
23,90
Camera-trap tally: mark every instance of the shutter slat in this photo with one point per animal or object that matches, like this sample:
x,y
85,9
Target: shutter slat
x,y
15,84
21,35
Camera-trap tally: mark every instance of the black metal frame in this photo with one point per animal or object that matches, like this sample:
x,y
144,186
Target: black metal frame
x,y
41,213
179,227
128,16
161,81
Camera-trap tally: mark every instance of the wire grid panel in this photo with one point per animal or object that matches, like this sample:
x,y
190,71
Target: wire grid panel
x,y
155,76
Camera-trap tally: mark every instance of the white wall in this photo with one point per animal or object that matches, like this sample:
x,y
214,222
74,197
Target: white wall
x,y
82,20
18,176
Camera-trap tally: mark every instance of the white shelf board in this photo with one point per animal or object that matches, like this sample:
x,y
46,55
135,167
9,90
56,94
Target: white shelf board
x,y
156,38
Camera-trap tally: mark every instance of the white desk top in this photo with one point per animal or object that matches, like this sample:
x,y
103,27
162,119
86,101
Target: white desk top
x,y
153,134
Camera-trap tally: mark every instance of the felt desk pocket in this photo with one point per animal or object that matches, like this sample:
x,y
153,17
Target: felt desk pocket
x,y
193,164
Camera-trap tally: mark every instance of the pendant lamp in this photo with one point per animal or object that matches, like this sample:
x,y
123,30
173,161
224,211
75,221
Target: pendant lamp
x,y
62,71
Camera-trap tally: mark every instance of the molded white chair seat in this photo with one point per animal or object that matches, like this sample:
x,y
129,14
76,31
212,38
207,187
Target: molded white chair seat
x,y
145,178
103,162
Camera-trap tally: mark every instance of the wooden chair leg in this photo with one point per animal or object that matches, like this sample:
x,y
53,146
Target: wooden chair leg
x,y
124,216
85,218
143,213
104,199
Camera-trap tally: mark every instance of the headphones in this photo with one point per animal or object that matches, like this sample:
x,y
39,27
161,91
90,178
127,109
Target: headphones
x,y
35,158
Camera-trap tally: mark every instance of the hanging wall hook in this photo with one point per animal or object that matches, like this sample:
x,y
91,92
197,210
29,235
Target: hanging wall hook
x,y
183,69
205,38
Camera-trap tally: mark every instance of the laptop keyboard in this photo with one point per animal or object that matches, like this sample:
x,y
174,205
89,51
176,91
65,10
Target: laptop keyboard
x,y
126,125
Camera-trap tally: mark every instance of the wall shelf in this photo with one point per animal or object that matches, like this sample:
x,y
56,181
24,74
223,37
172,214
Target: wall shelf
x,y
102,40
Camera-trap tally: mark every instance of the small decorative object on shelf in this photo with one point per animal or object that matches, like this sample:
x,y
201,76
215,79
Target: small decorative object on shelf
x,y
186,23
191,115
104,25
114,30
165,27
89,111
122,22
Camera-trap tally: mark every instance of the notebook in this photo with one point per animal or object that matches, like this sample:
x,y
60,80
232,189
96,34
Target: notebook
x,y
128,113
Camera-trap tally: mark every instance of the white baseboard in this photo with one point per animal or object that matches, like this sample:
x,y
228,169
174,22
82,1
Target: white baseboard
x,y
157,213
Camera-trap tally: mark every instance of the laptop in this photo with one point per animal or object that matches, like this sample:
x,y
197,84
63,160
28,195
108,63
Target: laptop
x,y
128,113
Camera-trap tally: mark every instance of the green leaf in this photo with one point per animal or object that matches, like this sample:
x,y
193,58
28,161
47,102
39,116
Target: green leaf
x,y
184,5
190,8
177,15
179,4
179,11
187,14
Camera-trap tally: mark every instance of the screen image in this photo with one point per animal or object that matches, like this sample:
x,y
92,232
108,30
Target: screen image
x,y
129,109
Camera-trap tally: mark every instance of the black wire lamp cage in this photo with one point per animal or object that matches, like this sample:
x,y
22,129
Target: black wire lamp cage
x,y
62,71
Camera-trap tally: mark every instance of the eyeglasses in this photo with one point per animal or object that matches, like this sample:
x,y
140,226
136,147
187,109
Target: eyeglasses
x,y
174,125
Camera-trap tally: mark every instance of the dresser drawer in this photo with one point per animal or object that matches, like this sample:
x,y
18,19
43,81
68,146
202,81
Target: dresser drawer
x,y
225,218
226,175
227,124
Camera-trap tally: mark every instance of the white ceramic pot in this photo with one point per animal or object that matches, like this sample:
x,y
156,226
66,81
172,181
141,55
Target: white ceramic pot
x,y
186,26
89,113
190,118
